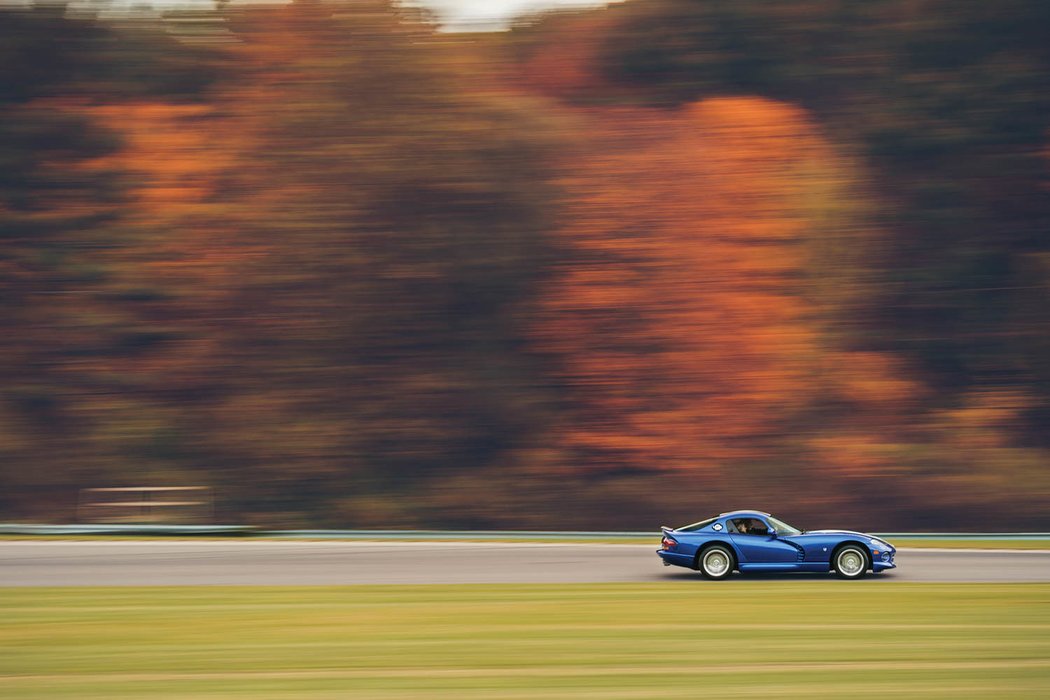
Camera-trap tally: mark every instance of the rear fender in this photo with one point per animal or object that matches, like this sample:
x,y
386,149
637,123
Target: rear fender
x,y
706,545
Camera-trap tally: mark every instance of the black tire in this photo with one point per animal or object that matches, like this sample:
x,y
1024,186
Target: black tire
x,y
850,562
716,562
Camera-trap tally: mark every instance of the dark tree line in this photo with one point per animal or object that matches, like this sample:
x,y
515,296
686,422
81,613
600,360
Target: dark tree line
x,y
948,102
343,267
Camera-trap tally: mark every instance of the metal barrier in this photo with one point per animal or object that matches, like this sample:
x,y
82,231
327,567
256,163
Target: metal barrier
x,y
137,529
592,535
147,529
146,504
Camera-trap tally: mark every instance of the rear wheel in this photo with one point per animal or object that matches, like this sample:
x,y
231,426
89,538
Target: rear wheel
x,y
716,562
851,562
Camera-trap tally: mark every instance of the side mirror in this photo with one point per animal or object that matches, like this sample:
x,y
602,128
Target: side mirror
x,y
771,532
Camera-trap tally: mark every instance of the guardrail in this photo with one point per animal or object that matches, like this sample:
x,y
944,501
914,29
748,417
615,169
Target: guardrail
x,y
145,529
593,535
460,534
247,530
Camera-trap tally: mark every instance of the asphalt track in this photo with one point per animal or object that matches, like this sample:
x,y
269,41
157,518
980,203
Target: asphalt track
x,y
269,563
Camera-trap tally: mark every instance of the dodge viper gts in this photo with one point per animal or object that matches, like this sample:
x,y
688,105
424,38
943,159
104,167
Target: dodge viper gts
x,y
750,540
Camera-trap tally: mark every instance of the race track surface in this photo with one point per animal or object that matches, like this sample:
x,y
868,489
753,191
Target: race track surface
x,y
269,563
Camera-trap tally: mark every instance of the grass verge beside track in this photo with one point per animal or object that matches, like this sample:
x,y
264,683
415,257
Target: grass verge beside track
x,y
727,639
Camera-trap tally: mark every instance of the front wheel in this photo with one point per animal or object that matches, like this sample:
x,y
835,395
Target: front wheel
x,y
851,562
716,563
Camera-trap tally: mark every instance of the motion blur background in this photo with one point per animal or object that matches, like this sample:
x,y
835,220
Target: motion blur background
x,y
602,269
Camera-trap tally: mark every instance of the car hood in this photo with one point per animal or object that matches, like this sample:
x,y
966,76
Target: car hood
x,y
847,533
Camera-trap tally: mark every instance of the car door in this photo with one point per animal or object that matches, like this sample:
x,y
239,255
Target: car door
x,y
760,548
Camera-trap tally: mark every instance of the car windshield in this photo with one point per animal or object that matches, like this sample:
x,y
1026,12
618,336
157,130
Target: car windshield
x,y
783,528
696,526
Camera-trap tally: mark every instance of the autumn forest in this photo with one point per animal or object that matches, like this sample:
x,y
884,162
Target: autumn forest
x,y
606,270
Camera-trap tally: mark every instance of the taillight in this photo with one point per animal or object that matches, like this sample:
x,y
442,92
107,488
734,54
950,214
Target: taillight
x,y
668,543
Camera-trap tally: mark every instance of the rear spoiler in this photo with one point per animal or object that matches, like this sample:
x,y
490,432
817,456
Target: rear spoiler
x,y
666,529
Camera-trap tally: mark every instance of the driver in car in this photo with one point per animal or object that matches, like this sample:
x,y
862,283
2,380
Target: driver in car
x,y
745,527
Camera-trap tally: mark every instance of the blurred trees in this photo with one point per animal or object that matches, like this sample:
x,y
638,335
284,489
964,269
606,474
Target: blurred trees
x,y
678,256
929,258
948,102
310,289
391,223
63,218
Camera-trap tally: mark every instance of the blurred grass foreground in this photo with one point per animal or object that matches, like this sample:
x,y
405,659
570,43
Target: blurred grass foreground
x,y
611,268
786,639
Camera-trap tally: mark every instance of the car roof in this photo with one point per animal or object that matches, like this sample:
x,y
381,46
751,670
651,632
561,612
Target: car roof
x,y
744,514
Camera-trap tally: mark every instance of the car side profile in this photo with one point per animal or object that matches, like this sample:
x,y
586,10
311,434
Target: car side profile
x,y
750,541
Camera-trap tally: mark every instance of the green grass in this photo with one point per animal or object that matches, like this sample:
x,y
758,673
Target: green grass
x,y
676,639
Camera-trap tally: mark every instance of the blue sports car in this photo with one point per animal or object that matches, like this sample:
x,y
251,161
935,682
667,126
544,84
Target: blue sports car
x,y
750,540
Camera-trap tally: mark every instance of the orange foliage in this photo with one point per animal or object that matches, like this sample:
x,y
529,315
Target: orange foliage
x,y
174,158
679,319
167,147
565,66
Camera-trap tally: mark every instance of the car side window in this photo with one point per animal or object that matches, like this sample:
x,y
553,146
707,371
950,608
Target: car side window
x,y
746,526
